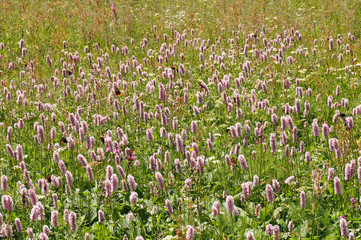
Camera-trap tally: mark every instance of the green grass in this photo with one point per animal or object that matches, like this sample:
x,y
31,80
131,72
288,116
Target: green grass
x,y
45,25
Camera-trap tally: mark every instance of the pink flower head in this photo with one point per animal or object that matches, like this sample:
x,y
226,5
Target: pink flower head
x,y
160,180
7,203
101,216
269,193
230,203
169,206
289,179
190,233
250,235
19,228
269,230
303,199
337,185
343,227
133,197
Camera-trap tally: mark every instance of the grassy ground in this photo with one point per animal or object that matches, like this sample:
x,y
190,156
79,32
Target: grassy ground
x,y
120,90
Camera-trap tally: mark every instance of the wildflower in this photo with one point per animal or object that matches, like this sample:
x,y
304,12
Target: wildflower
x,y
195,149
331,172
154,210
90,173
62,166
108,188
41,211
343,227
8,230
255,180
269,193
250,236
19,228
160,180
121,171
4,183
69,178
307,157
348,172
325,130
101,216
114,183
269,230
9,135
34,213
210,145
190,233
10,150
276,185
169,206
82,160
132,183
228,160
178,166
276,232
7,203
258,208
230,203
315,128
109,172
194,126
289,179
303,199
273,143
54,218
179,143
242,162
351,236
72,221
337,184
330,44
30,233
215,208
133,197
46,230
290,226
43,236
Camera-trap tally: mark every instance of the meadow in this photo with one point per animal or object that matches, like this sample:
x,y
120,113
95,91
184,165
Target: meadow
x,y
180,119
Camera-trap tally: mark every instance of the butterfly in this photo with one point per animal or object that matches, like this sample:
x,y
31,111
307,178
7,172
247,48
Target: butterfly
x,y
102,137
201,86
93,163
118,92
174,68
130,155
233,161
63,140
345,121
130,152
48,178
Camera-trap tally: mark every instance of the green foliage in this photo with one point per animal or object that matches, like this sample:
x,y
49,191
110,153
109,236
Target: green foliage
x,y
44,25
